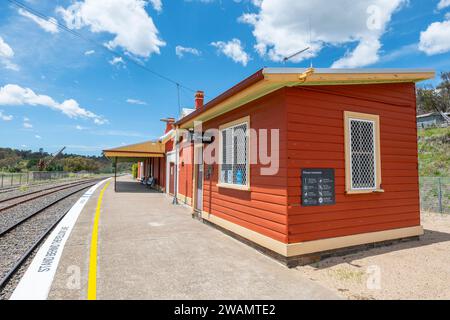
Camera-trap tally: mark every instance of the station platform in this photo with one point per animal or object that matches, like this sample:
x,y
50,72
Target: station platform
x,y
150,249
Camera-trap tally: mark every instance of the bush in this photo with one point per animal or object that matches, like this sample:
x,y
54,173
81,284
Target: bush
x,y
134,170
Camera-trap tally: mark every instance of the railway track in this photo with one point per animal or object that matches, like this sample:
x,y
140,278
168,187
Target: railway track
x,y
30,196
33,185
21,237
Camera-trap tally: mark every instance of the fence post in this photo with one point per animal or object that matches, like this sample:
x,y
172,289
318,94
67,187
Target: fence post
x,y
441,210
20,180
2,178
12,179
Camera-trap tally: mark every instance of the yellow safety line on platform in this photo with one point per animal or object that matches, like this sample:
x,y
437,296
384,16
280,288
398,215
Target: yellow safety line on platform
x,y
92,278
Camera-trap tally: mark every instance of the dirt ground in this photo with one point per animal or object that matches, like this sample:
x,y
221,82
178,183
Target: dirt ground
x,y
410,270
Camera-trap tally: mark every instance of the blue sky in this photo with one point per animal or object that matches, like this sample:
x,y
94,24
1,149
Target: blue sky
x,y
59,90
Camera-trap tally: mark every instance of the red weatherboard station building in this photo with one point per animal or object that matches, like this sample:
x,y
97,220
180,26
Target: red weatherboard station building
x,y
347,160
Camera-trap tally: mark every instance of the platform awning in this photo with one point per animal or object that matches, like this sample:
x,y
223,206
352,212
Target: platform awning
x,y
148,149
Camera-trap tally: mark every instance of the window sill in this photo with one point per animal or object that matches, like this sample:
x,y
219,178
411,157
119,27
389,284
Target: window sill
x,y
232,186
364,191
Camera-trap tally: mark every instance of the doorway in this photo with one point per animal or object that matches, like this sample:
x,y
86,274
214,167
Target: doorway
x,y
171,178
199,179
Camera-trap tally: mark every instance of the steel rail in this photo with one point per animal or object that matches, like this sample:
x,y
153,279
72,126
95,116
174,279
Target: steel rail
x,y
36,212
52,191
27,253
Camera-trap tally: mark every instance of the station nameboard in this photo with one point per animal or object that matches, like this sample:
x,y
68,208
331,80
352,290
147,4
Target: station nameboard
x,y
318,187
202,137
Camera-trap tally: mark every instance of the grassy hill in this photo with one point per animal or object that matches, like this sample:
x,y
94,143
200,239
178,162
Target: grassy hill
x,y
434,152
12,160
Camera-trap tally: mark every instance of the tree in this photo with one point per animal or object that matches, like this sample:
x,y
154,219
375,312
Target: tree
x,y
77,164
430,99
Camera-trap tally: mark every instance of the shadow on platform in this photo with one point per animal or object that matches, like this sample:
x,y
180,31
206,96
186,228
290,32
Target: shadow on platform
x,y
133,187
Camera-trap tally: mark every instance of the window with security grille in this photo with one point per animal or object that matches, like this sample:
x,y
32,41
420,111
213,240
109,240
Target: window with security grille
x,y
234,158
363,154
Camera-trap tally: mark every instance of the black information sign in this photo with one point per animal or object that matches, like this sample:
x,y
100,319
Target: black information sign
x,y
318,187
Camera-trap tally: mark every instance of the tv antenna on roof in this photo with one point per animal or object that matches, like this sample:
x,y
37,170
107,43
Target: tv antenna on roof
x,y
286,59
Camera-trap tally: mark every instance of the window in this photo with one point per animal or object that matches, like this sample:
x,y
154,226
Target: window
x,y
362,153
234,155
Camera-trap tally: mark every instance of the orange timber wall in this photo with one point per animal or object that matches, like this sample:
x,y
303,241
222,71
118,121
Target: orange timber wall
x,y
186,159
159,169
264,208
316,140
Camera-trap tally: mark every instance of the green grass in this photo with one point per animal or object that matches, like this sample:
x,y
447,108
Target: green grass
x,y
434,152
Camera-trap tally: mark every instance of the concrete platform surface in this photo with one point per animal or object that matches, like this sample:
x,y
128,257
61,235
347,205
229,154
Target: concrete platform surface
x,y
150,249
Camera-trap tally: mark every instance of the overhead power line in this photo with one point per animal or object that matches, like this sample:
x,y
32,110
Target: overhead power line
x,y
100,45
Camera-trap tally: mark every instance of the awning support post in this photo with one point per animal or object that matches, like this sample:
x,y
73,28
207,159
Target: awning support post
x,y
115,174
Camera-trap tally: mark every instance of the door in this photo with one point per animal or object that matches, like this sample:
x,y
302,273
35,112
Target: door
x,y
172,178
199,180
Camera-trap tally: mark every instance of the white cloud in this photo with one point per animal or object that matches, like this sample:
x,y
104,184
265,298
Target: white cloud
x,y
400,53
234,50
129,22
5,117
282,27
6,54
27,123
78,127
180,51
157,5
435,39
14,95
38,137
364,54
119,133
47,25
89,52
5,50
136,101
116,60
443,4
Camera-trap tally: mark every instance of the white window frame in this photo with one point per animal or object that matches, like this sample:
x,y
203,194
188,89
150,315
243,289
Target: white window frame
x,y
363,117
236,123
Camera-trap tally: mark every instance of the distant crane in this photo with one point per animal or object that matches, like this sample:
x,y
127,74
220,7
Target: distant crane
x,y
43,164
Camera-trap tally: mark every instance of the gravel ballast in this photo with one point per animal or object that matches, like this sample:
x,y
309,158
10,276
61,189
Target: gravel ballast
x,y
10,216
25,189
410,270
15,243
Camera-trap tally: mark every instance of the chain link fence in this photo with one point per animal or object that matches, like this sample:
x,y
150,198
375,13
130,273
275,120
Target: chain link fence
x,y
435,194
10,180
